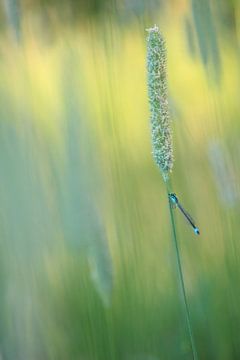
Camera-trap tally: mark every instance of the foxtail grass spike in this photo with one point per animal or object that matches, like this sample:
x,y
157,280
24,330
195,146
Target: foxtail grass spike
x,y
158,99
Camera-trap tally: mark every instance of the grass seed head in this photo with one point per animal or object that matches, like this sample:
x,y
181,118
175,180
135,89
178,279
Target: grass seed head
x,y
158,99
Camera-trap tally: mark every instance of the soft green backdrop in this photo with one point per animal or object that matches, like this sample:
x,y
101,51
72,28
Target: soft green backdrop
x,y
87,263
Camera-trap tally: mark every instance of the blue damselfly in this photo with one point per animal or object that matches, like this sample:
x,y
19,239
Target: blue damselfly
x,y
175,203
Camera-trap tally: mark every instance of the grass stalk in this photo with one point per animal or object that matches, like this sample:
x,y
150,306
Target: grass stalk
x,y
181,277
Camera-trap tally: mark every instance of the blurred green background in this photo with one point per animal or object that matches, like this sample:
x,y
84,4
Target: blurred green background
x,y
87,263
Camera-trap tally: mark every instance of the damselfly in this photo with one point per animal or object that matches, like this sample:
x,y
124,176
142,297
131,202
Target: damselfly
x,y
174,202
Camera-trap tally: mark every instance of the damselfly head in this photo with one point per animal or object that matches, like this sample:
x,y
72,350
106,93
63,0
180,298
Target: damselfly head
x,y
173,198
